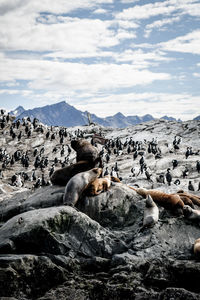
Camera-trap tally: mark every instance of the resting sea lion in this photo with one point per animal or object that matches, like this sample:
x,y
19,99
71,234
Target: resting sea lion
x,y
78,183
194,198
99,185
85,150
196,248
151,212
63,175
171,201
190,213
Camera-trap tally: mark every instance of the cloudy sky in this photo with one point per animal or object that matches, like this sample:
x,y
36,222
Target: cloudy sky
x,y
104,56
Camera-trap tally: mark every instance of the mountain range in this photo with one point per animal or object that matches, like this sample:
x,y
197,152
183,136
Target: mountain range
x,y
63,114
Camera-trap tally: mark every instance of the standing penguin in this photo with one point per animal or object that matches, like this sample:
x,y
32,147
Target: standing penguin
x,y
190,186
168,176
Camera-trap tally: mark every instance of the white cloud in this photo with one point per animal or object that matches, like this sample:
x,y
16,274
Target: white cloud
x,y
145,11
188,43
124,34
129,1
140,58
53,75
73,35
196,75
54,7
127,24
156,104
159,24
167,7
100,11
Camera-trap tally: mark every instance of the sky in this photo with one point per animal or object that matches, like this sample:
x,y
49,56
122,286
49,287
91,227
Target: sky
x,y
136,57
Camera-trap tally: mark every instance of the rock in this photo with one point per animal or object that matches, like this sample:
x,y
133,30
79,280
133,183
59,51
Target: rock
x,y
22,202
29,276
114,208
57,230
178,293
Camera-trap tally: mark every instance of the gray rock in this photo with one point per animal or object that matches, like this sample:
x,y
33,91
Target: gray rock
x,y
22,202
98,250
29,276
57,230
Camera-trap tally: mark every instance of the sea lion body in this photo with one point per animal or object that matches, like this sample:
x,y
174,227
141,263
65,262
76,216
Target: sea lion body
x,y
171,201
63,175
190,213
194,198
99,185
151,213
78,183
196,248
85,150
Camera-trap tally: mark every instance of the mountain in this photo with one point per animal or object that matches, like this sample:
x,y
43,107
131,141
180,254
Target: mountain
x,y
18,111
170,119
197,118
121,121
59,114
63,114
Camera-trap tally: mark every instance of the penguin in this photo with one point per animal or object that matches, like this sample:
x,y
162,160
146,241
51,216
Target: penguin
x,y
198,166
174,163
106,172
190,186
168,176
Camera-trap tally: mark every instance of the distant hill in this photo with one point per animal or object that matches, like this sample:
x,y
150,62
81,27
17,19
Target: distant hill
x,y
197,118
18,111
63,114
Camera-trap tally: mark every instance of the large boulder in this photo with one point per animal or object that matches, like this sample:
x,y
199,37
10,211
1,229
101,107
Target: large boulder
x,y
22,202
57,230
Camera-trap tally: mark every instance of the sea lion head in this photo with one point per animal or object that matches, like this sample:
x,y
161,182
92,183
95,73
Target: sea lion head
x,y
75,144
187,210
149,201
180,192
97,171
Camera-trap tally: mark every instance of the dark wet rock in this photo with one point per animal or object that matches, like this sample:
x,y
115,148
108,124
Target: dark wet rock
x,y
24,276
98,250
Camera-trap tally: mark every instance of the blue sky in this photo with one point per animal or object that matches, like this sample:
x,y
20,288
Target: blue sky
x,y
104,56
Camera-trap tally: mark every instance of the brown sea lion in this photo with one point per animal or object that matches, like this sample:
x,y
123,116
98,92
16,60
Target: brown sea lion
x,y
99,185
196,248
194,198
63,175
190,213
85,150
171,201
151,213
78,183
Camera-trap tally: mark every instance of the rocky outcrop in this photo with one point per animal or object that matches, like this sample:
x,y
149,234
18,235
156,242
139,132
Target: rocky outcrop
x,y
98,250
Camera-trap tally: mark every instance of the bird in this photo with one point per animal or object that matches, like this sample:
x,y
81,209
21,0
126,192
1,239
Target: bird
x,y
106,172
168,176
190,186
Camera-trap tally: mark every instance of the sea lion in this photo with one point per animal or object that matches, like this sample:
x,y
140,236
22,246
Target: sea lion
x,y
78,183
99,185
196,248
190,213
171,201
194,198
151,213
63,175
186,200
85,150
